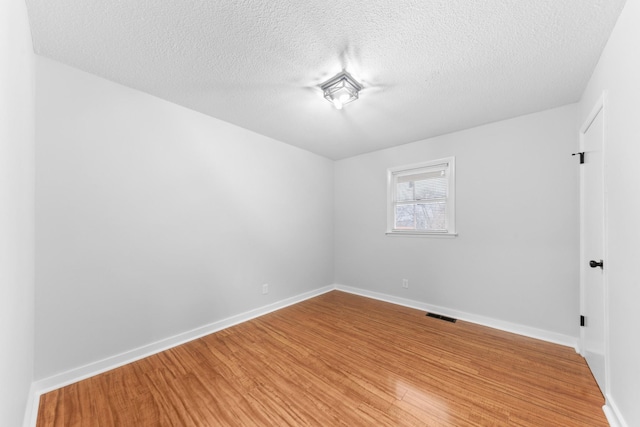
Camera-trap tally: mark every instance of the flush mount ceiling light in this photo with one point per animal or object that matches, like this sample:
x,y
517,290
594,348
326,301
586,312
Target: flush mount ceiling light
x,y
341,89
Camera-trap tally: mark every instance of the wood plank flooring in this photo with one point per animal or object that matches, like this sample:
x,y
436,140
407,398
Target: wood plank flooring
x,y
340,360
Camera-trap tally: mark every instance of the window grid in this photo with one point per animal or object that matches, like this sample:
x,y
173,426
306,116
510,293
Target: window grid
x,y
421,199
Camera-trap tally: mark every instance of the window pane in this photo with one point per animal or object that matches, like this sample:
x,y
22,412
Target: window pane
x,y
404,191
431,216
434,188
421,198
405,217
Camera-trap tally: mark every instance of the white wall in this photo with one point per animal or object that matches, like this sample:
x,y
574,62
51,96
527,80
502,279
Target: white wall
x,y
516,256
16,211
152,219
618,72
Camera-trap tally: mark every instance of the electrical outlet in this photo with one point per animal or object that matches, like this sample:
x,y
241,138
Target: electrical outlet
x,y
405,283
265,289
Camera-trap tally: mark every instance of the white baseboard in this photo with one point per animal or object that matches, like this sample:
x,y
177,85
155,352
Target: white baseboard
x,y
77,374
611,411
502,325
31,410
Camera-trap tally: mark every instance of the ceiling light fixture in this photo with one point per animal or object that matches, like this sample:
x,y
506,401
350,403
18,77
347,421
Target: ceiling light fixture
x,y
341,89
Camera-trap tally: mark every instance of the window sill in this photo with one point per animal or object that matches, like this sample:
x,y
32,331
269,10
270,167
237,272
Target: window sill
x,y
419,234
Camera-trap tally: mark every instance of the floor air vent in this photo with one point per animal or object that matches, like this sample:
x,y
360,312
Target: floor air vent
x,y
441,317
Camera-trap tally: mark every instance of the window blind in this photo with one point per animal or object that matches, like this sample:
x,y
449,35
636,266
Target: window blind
x,y
420,202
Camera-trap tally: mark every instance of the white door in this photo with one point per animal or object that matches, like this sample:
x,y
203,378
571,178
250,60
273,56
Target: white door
x,y
592,246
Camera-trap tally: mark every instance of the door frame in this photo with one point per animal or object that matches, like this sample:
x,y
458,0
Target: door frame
x,y
600,106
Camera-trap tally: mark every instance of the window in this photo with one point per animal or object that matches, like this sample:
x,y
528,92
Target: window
x,y
421,199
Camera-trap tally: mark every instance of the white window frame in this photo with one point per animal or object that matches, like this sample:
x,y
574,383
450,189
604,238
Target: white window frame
x,y
395,172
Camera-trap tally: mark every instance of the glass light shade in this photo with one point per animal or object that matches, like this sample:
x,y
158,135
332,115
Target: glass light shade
x,y
341,89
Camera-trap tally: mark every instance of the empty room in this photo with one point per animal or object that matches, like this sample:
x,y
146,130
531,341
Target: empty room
x,y
352,213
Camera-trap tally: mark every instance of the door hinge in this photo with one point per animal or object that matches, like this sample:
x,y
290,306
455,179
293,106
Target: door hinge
x,y
581,156
582,320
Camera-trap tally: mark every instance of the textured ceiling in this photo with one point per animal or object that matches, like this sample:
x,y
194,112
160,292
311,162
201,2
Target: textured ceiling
x,y
428,67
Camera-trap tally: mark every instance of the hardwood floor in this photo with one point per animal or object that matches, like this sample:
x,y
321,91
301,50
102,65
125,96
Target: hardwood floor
x,y
340,360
